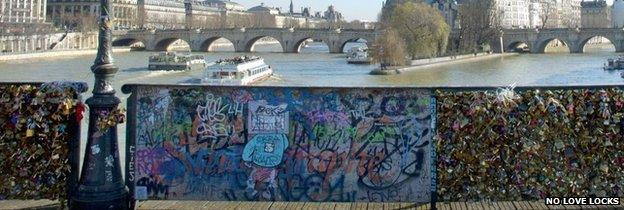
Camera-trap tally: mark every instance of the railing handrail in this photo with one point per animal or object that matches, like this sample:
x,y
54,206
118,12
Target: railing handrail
x,y
127,88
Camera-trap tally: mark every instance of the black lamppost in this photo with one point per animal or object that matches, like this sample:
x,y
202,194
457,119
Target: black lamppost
x,y
101,184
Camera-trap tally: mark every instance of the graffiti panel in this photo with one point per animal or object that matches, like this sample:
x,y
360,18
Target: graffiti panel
x,y
283,144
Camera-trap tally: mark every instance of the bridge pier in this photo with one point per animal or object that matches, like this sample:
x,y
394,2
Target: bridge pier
x,y
619,46
335,48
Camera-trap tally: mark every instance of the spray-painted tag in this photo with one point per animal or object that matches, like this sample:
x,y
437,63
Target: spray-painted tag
x,y
140,192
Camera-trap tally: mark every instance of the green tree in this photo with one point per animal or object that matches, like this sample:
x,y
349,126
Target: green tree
x,y
422,28
389,49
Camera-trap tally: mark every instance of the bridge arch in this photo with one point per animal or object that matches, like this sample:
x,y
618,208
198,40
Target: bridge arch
x,y
542,44
517,46
353,40
207,44
299,43
584,41
133,43
127,41
250,44
165,43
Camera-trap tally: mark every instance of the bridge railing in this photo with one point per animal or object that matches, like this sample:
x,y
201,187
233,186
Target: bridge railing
x,y
374,144
40,139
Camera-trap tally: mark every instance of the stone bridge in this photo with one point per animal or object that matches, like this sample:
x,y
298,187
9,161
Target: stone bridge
x,y
242,39
574,39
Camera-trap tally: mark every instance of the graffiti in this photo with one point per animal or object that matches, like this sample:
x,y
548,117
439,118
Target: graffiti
x,y
109,176
95,149
265,150
284,144
155,188
265,118
131,169
212,118
109,161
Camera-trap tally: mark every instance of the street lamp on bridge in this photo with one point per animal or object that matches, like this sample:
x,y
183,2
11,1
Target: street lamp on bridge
x,y
101,184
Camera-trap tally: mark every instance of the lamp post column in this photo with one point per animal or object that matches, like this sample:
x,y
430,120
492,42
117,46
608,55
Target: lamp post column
x,y
101,184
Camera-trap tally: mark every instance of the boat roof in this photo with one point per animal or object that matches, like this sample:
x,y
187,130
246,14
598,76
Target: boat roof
x,y
237,60
234,64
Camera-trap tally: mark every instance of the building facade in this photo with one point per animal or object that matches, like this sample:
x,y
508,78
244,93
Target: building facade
x,y
450,11
595,14
22,11
332,16
82,15
161,14
448,8
535,10
199,15
571,13
23,17
617,14
513,13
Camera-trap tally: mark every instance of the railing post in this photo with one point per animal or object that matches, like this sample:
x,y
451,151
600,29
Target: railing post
x,y
101,184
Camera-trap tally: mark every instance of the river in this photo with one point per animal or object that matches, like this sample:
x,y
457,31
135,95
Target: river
x,y
315,67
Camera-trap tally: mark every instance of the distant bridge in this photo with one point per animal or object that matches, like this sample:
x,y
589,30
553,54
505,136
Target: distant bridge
x,y
242,39
291,39
574,39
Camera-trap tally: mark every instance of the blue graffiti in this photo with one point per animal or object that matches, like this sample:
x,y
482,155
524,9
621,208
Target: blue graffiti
x,y
266,150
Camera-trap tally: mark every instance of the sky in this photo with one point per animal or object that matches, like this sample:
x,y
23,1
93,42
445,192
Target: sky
x,y
350,9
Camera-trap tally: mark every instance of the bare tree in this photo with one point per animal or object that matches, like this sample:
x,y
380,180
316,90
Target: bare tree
x,y
83,22
547,11
480,23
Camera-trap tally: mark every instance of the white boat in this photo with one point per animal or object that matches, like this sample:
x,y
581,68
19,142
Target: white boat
x,y
358,55
242,70
615,64
171,61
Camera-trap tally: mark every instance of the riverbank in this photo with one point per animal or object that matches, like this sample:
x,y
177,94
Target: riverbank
x,y
432,62
52,54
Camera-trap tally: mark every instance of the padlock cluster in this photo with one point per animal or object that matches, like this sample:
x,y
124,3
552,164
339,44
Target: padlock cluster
x,y
527,145
35,131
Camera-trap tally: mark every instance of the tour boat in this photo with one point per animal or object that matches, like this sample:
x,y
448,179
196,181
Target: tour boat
x,y
241,70
615,64
171,61
358,55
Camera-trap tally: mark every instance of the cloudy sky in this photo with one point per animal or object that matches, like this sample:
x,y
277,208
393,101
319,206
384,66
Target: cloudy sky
x,y
351,9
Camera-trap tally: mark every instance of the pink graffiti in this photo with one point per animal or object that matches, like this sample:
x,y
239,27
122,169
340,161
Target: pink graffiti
x,y
148,160
337,118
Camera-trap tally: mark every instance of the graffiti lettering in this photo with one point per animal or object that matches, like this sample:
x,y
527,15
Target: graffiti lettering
x,y
265,118
212,118
284,144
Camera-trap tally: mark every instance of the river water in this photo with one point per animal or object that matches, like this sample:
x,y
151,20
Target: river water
x,y
315,67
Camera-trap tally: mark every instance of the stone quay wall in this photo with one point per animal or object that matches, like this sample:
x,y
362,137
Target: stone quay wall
x,y
46,42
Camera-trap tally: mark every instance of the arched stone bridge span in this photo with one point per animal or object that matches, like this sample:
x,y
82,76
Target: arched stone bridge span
x,y
242,39
574,39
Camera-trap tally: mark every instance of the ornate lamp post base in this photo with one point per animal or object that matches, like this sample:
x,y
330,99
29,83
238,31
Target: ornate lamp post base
x,y
101,184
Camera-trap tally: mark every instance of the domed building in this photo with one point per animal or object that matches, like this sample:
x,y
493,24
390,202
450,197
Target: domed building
x,y
262,9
